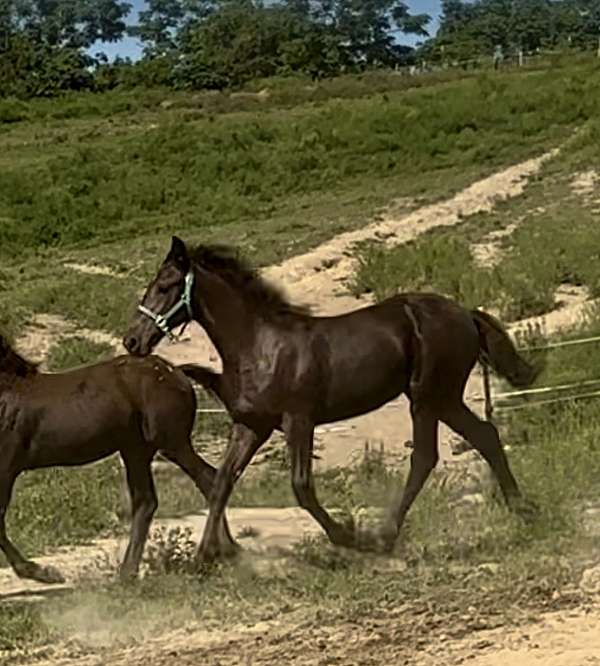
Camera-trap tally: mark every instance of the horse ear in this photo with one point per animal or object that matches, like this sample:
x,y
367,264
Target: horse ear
x,y
179,254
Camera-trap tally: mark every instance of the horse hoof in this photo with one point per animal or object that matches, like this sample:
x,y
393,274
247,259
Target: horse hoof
x,y
366,541
208,554
386,544
343,538
52,575
229,550
127,575
48,575
528,510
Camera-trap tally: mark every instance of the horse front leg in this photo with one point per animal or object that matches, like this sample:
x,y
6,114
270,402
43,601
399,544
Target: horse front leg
x,y
22,567
299,433
243,444
143,507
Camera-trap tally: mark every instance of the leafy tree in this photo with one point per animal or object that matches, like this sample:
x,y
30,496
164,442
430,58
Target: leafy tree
x,y
580,21
164,22
225,42
243,41
42,42
28,69
67,23
468,29
366,27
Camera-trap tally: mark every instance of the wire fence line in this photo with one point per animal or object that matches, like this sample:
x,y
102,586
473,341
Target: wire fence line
x,y
544,390
563,343
548,389
539,403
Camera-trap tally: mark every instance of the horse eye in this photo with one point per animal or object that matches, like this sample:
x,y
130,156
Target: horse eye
x,y
163,290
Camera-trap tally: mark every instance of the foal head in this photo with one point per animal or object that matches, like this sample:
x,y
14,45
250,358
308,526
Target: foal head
x,y
209,284
166,304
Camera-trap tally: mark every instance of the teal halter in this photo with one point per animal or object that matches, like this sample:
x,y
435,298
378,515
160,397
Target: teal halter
x,y
162,320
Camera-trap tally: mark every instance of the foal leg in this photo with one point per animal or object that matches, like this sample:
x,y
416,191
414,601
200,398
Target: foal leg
x,y
143,506
422,461
299,435
22,567
203,475
243,445
483,436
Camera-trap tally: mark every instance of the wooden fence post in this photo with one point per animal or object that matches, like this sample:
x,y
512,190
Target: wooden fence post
x,y
487,393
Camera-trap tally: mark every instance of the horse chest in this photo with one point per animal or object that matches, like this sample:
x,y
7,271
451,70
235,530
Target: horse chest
x,y
11,415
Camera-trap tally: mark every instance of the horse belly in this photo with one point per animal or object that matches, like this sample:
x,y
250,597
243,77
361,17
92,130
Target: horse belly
x,y
77,437
362,392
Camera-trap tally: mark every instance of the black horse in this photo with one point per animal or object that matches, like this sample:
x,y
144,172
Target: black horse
x,y
285,369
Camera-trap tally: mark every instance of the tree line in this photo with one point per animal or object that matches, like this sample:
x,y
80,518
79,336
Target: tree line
x,y
45,45
470,29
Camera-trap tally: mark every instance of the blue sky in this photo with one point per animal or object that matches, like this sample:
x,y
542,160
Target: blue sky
x,y
130,48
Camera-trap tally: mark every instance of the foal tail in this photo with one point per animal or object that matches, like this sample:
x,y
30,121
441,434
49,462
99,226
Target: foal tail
x,y
207,378
498,350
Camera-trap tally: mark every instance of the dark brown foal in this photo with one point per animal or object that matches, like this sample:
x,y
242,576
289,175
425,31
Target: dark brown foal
x,y
285,369
132,406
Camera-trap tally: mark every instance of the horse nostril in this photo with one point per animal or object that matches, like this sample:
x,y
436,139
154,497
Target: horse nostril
x,y
131,343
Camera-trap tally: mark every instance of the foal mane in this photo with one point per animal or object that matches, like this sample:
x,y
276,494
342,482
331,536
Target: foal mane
x,y
224,261
13,364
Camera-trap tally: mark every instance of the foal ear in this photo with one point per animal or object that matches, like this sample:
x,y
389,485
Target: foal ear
x,y
179,254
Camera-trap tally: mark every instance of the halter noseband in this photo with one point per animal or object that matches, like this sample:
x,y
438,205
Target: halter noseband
x,y
185,301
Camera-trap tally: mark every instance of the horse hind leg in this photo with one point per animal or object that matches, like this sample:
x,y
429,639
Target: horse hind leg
x,y
22,567
203,475
423,460
143,504
483,436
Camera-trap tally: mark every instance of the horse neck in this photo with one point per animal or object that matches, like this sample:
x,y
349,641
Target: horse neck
x,y
224,314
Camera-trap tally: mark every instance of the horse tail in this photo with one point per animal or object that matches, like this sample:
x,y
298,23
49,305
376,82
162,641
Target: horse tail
x,y
499,352
207,378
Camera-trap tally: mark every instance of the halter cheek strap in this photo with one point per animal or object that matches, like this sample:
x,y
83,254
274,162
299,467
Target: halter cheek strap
x,y
185,301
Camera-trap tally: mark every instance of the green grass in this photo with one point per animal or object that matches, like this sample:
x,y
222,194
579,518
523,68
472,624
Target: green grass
x,y
22,625
233,167
553,244
276,182
58,506
281,93
71,352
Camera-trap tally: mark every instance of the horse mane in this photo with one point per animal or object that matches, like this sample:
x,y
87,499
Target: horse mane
x,y
225,261
12,364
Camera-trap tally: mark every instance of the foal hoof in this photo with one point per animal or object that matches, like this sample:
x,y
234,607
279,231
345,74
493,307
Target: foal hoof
x,y
209,554
51,575
33,571
367,541
386,539
527,510
228,550
343,537
127,575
